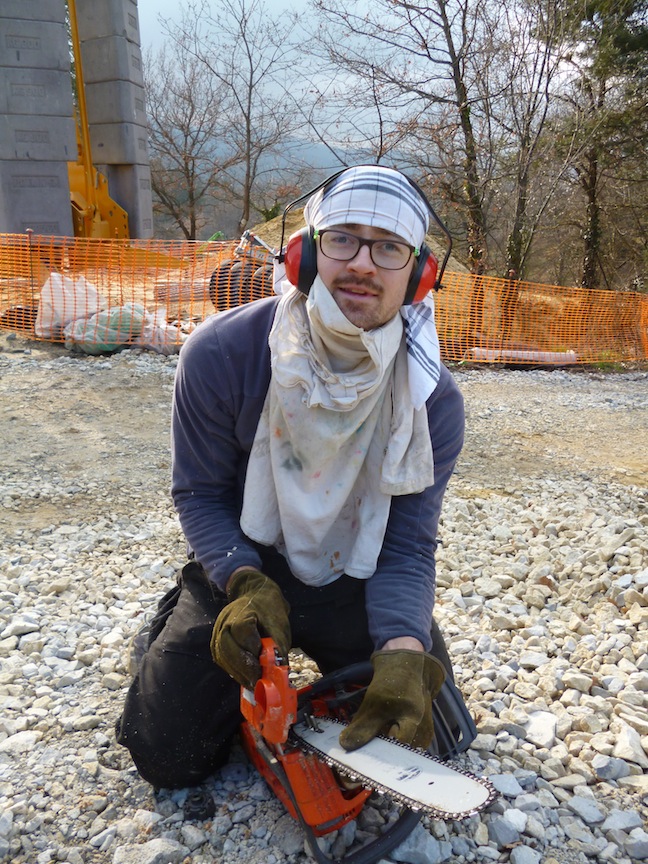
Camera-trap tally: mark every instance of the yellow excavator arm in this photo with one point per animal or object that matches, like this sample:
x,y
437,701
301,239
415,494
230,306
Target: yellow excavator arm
x,y
94,213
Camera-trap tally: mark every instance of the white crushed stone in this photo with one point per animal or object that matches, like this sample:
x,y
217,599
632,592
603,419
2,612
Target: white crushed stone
x,y
542,595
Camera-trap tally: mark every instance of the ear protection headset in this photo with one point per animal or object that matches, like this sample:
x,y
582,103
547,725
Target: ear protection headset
x,y
300,254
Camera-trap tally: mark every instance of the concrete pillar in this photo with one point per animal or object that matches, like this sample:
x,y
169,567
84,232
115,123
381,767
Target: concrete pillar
x,y
112,69
37,134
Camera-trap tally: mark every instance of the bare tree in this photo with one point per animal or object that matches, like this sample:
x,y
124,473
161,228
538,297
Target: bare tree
x,y
350,116
414,58
247,54
187,114
518,84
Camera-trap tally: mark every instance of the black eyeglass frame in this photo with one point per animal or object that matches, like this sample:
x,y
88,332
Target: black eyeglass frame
x,y
363,242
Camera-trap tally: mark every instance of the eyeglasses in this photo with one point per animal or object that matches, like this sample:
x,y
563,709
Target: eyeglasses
x,y
387,254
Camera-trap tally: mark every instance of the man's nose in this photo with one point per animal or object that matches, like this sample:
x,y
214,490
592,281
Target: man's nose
x,y
362,260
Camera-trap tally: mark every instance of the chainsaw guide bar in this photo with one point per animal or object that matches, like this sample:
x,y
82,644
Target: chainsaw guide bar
x,y
411,777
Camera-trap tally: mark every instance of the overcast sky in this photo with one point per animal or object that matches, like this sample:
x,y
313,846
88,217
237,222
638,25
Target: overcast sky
x,y
150,12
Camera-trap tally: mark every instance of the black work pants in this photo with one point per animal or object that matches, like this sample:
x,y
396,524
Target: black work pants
x,y
182,710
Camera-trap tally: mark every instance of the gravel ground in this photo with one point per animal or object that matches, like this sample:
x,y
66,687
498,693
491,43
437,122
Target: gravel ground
x,y
542,595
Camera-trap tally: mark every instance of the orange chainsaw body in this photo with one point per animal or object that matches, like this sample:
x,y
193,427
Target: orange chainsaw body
x,y
300,780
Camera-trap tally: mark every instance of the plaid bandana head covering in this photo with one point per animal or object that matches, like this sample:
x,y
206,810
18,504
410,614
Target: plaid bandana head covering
x,y
374,196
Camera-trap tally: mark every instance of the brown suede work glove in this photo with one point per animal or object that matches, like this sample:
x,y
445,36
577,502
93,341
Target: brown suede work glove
x,y
398,701
256,608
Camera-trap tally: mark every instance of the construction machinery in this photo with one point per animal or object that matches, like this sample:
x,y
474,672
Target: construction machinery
x,y
94,213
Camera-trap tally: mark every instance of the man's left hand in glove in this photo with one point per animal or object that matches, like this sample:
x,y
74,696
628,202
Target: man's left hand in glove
x,y
398,701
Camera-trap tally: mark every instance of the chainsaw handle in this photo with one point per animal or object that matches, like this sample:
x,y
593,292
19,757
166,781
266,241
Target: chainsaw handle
x,y
272,708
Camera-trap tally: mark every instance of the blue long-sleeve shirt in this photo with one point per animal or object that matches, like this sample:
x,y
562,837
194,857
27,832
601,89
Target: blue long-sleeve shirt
x,y
221,383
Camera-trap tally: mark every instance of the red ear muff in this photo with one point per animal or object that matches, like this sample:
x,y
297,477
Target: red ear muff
x,y
423,278
300,259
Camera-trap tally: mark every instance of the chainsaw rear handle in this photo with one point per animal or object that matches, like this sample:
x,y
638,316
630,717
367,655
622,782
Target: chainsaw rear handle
x,y
272,708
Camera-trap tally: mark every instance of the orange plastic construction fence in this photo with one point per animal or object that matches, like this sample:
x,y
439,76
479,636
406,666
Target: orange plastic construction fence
x,y
102,295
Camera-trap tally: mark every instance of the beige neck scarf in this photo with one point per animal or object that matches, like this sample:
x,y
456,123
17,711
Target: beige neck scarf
x,y
338,436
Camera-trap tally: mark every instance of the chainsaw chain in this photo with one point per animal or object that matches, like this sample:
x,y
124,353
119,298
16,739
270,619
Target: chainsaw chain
x,y
404,800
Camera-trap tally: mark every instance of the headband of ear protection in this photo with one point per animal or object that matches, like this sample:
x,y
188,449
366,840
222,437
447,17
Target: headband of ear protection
x,y
300,254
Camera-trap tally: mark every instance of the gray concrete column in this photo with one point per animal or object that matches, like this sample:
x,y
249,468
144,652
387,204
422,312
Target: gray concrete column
x,y
37,134
112,68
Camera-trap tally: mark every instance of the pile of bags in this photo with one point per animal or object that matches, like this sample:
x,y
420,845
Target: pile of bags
x,y
73,310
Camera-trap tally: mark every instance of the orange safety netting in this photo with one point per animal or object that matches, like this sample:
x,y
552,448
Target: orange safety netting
x,y
100,295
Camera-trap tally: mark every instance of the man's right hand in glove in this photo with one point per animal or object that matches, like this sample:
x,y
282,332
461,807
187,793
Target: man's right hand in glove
x,y
256,608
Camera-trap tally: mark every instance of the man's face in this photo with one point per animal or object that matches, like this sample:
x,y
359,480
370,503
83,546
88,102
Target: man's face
x,y
369,296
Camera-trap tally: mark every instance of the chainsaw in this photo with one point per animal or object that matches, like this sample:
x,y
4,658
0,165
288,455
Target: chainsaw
x,y
291,737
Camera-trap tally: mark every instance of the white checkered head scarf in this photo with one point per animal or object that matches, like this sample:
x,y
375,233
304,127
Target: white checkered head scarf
x,y
374,196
